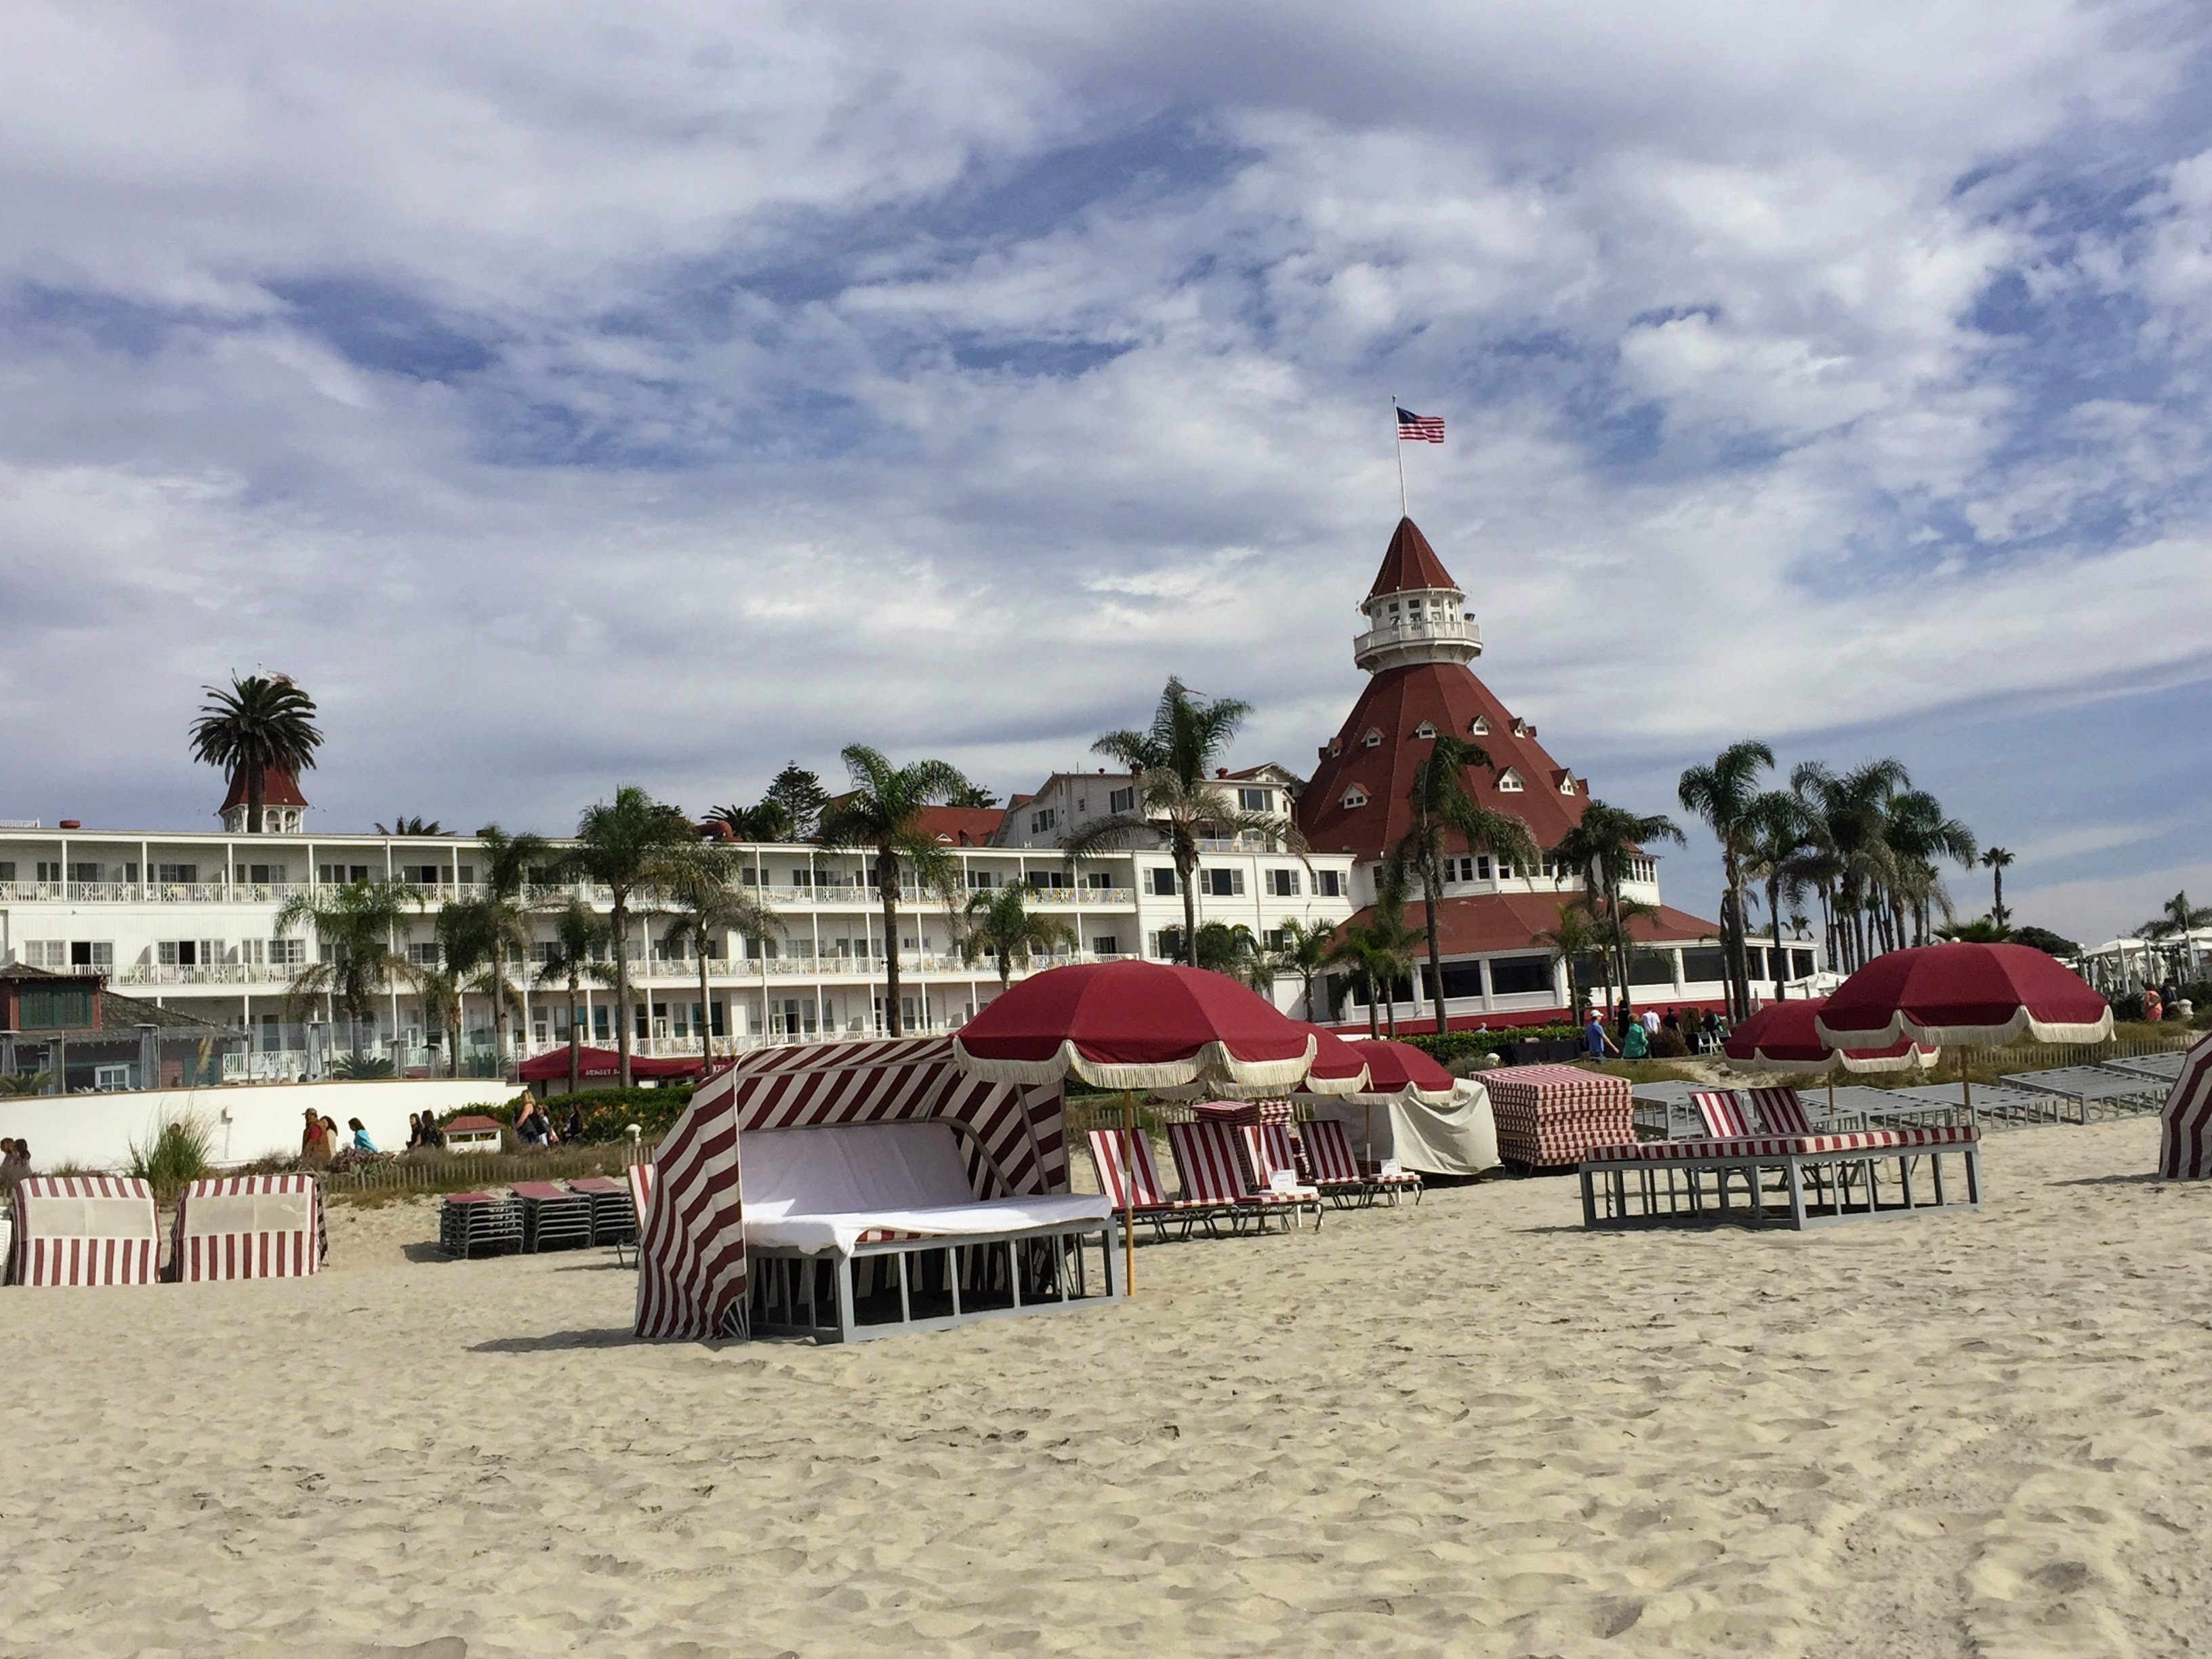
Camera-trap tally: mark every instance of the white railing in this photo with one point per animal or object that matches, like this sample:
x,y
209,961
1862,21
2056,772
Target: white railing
x,y
213,973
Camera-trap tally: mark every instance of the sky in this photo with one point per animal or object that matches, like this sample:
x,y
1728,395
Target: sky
x,y
569,397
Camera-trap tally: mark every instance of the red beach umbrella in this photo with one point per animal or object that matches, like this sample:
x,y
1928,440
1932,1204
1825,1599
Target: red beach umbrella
x,y
1133,1025
1395,1067
1961,992
1338,1068
1781,1034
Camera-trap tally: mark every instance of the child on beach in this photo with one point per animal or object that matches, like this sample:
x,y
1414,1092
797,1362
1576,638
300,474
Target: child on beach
x,y
361,1143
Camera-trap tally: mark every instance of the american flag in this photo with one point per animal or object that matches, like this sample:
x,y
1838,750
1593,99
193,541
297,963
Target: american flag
x,y
1419,429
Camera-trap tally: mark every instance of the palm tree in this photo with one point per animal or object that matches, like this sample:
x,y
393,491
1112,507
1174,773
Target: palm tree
x,y
883,811
576,952
1172,763
1721,793
412,826
263,724
697,886
1305,953
354,927
1578,938
1996,860
508,863
1378,951
770,821
998,923
1602,843
2178,919
1848,819
621,844
1230,948
1446,817
1918,834
1779,856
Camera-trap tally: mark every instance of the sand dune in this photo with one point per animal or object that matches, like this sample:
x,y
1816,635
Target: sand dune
x,y
1466,1428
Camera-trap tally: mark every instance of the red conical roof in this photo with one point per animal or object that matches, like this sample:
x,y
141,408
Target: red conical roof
x,y
278,788
1411,563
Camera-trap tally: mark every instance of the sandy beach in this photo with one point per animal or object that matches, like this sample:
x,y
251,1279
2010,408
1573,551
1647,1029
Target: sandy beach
x,y
1465,1428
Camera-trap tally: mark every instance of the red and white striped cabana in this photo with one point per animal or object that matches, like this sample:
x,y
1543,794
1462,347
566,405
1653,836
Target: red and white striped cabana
x,y
267,1226
85,1230
692,1277
2185,1134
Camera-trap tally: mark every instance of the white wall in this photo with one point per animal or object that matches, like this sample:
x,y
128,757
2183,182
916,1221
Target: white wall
x,y
249,1122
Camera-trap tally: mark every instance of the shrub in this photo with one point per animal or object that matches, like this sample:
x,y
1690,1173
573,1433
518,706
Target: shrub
x,y
1450,1046
175,1157
360,1068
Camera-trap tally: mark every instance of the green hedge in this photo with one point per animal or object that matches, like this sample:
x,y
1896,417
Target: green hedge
x,y
608,1113
1449,1046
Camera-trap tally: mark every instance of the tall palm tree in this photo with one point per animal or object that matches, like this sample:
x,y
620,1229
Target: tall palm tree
x,y
1305,953
576,952
883,811
1602,843
1447,819
1231,948
262,724
1780,857
1577,937
1918,834
1379,952
998,923
621,844
770,821
355,925
1848,819
1172,763
1996,860
2179,919
506,863
1721,793
697,888
471,935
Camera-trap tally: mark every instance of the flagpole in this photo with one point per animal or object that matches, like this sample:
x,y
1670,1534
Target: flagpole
x,y
1398,443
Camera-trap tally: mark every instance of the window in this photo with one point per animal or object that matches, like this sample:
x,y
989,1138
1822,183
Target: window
x,y
1509,783
1336,746
1040,822
337,875
1566,784
1479,726
1515,976
1282,883
1105,945
1373,739
1048,881
53,1007
1098,881
423,953
1168,943
468,875
981,880
1329,883
261,875
92,953
1221,884
1704,964
1274,939
1122,800
84,873
47,952
7,870
1254,800
1482,866
1354,796
1522,728
49,871
184,873
287,952
1162,881
111,1079
1425,730
422,875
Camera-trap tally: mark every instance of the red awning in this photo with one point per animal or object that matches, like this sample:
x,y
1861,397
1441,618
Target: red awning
x,y
601,1065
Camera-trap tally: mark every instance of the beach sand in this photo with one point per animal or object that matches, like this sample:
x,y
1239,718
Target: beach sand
x,y
1465,1428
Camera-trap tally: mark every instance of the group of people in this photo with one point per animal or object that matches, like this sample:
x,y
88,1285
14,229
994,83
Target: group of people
x,y
319,1141
535,1128
1637,1031
14,1163
424,1134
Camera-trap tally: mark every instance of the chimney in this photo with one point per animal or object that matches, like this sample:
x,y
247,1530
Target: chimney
x,y
1221,771
71,824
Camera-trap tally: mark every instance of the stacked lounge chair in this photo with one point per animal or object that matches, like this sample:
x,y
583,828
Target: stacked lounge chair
x,y
614,1212
554,1217
478,1223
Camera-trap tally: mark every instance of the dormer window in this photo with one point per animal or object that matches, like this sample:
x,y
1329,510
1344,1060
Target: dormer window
x,y
1479,726
1425,730
1509,783
1566,785
1520,728
1336,746
1373,739
1354,796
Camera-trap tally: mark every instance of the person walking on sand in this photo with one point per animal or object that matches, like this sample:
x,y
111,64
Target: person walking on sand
x,y
312,1149
1596,1042
361,1143
1635,1042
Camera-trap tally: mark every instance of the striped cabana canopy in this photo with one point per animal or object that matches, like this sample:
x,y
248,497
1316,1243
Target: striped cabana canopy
x,y
2185,1129
85,1230
691,1253
268,1226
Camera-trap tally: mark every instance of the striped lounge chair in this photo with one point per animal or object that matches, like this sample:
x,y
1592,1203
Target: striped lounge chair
x,y
1339,1174
1114,1154
476,1224
614,1211
1207,1158
1270,1165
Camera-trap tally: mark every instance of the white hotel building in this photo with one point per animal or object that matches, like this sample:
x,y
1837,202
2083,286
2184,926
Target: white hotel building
x,y
188,920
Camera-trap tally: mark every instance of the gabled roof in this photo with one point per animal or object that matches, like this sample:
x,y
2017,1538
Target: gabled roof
x,y
962,826
278,788
1410,562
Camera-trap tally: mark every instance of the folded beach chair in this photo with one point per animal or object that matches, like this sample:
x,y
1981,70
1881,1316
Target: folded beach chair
x,y
1724,1114
614,1213
1339,1172
1112,1153
1213,1177
1269,1165
553,1218
476,1224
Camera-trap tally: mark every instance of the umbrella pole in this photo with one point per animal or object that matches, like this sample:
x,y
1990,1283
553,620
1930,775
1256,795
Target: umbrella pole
x,y
1129,1194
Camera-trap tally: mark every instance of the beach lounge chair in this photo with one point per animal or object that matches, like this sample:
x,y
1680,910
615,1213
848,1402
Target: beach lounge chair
x,y
1623,1185
1213,1177
1269,1165
1339,1174
1113,1152
553,1217
1723,1114
476,1224
614,1213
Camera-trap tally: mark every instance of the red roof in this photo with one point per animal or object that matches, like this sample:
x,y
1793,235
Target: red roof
x,y
278,788
1476,922
1396,703
962,826
1410,562
466,1124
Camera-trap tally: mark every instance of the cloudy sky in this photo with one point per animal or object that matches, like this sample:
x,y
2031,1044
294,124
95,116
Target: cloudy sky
x,y
567,401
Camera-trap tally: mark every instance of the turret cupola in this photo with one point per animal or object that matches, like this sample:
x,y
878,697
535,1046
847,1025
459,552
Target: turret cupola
x,y
1415,611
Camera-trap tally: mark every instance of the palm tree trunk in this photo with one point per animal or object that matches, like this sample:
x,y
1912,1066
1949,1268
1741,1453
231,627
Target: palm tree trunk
x,y
256,792
1430,896
575,1058
1997,898
1620,958
706,1011
1189,879
887,887
1774,915
1374,1013
619,919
